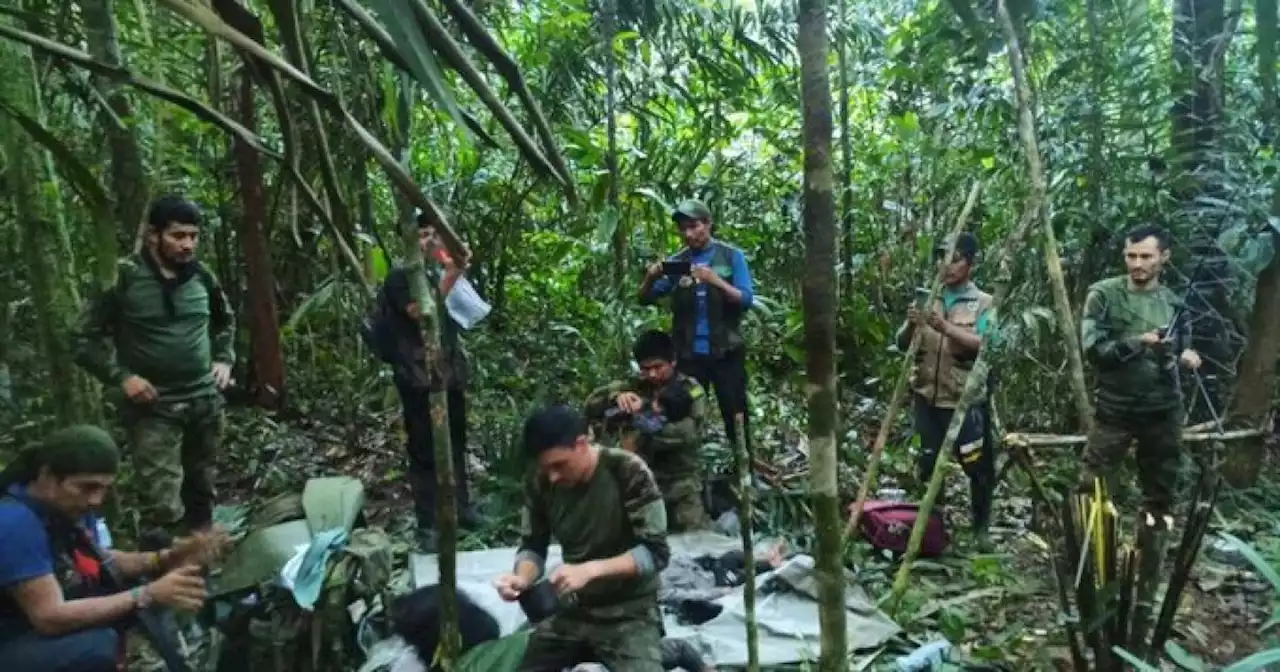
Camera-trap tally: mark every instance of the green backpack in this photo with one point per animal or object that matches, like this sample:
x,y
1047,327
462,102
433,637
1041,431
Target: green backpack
x,y
267,631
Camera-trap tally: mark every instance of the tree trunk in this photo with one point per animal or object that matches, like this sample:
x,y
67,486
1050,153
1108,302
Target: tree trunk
x,y
266,364
1039,195
820,298
1251,398
128,175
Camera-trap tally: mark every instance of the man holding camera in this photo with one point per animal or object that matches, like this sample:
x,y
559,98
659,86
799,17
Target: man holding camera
x,y
710,288
659,415
1135,334
950,337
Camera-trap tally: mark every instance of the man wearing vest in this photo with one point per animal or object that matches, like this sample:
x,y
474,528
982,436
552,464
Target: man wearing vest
x,y
951,333
173,337
604,508
707,308
414,381
65,601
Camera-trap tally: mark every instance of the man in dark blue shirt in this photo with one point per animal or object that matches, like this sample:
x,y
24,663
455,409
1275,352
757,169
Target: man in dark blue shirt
x,y
707,306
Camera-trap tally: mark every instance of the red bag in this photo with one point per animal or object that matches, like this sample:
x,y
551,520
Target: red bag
x,y
887,525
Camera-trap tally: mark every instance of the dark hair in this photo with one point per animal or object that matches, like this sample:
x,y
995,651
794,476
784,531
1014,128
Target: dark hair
x,y
172,208
966,246
676,401
552,427
1142,232
76,450
654,344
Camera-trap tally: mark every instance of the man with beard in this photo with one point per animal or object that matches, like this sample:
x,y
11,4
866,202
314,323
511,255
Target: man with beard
x,y
663,413
415,379
707,307
950,337
1128,332
173,337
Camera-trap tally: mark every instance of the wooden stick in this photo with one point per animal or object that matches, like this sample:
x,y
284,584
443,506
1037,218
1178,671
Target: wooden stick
x,y
908,362
1063,440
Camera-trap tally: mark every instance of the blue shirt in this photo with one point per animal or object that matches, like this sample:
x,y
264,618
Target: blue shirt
x,y
741,280
25,554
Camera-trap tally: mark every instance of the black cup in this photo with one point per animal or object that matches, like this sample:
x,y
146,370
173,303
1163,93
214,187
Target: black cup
x,y
540,601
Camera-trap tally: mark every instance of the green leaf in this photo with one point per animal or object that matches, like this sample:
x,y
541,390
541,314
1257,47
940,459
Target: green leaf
x,y
1133,660
397,17
1258,661
1252,555
1184,658
71,168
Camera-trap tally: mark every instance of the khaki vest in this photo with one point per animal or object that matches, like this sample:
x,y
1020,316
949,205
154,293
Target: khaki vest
x,y
939,375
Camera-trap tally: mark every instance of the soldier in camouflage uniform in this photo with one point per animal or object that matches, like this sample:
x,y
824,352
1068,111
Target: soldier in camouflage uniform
x,y
1128,333
670,444
173,337
604,508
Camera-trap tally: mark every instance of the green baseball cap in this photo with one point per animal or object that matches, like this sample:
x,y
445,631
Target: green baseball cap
x,y
691,209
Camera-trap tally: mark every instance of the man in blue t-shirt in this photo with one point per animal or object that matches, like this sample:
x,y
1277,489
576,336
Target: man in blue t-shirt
x,y
708,301
62,606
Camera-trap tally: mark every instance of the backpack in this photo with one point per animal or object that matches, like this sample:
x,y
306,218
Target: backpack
x,y
268,631
887,526
377,329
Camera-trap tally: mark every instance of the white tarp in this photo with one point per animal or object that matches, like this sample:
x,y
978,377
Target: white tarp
x,y
786,608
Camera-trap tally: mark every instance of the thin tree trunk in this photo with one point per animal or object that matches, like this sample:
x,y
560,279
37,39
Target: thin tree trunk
x,y
820,298
746,521
1039,195
609,29
267,362
1251,398
128,175
1099,233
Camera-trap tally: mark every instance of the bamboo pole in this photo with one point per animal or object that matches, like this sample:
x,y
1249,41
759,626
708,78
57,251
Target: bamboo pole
x,y
746,513
1064,440
908,361
1039,194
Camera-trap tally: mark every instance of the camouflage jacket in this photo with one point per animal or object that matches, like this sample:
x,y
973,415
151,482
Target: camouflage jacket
x,y
672,451
1132,377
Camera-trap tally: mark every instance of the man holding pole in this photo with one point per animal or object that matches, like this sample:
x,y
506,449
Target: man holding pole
x,y
951,331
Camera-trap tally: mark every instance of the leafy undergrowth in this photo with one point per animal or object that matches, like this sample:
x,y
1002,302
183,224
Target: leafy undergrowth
x,y
997,606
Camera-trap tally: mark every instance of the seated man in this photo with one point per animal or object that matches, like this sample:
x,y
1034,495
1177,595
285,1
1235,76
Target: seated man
x,y
61,608
662,415
605,509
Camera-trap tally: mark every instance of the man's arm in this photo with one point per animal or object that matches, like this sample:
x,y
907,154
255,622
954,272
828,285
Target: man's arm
x,y
222,323
535,535
1096,338
745,294
50,614
652,289
647,514
91,339
602,400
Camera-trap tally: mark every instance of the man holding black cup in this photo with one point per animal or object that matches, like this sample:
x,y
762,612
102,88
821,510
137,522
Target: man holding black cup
x,y
710,288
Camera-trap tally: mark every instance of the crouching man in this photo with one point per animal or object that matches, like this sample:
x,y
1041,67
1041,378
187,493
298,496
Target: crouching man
x,y
63,604
604,508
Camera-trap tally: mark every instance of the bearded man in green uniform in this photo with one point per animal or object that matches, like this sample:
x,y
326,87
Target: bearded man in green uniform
x,y
659,416
173,336
604,507
1135,334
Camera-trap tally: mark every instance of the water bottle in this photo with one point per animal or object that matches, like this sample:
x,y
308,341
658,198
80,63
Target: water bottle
x,y
928,657
103,534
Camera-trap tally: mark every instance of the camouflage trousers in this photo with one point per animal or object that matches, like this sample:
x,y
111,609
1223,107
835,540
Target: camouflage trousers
x,y
683,498
173,446
621,645
1159,453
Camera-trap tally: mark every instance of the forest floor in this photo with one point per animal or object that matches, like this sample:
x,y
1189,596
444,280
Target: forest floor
x,y
996,606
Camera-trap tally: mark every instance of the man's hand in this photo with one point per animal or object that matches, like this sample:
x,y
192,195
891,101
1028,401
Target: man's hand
x,y
510,586
202,548
181,589
630,402
138,390
654,270
915,317
1151,338
1190,359
704,273
572,578
221,374
936,321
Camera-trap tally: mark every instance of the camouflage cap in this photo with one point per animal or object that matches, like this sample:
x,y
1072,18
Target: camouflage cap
x,y
691,209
